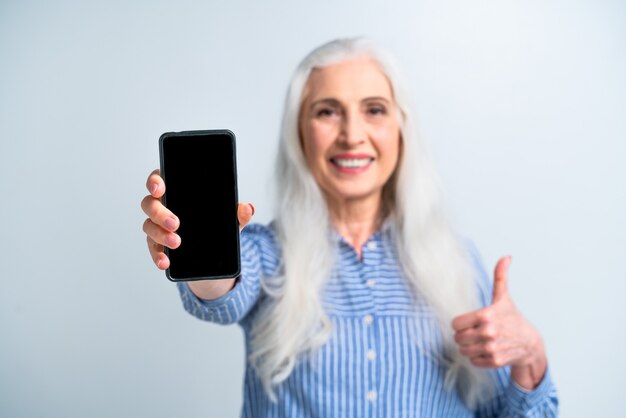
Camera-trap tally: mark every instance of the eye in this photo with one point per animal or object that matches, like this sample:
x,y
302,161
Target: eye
x,y
325,112
377,110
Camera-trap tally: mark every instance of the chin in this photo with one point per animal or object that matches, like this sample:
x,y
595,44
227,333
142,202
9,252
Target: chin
x,y
355,193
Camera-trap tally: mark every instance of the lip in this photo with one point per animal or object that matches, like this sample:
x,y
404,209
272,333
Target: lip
x,y
347,156
351,155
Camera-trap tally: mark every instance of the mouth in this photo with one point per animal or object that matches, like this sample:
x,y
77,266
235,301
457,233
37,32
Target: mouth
x,y
351,163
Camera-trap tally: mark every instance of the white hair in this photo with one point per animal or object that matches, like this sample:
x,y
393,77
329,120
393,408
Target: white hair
x,y
432,258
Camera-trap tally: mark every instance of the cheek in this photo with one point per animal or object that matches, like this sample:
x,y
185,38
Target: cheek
x,y
317,141
396,145
389,142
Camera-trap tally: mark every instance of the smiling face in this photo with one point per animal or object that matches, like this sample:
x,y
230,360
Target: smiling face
x,y
349,130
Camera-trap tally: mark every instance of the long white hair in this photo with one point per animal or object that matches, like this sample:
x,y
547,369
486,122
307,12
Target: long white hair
x,y
432,258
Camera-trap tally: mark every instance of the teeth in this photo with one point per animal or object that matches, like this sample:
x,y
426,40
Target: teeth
x,y
352,162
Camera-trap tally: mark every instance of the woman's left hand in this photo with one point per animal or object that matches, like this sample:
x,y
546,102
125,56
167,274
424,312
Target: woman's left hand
x,y
499,335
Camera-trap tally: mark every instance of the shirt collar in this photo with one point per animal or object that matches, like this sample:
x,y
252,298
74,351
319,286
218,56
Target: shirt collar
x,y
384,230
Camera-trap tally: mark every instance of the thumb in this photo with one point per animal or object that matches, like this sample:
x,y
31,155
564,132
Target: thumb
x,y
500,287
244,214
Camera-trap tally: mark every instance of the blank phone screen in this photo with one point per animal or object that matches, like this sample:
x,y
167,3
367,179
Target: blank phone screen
x,y
199,170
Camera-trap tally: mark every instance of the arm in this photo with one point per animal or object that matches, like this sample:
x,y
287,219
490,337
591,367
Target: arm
x,y
233,305
511,400
213,300
498,337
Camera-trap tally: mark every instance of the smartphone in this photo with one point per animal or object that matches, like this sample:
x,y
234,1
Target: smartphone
x,y
200,173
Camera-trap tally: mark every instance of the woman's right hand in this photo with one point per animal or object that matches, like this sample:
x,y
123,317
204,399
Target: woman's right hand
x,y
161,225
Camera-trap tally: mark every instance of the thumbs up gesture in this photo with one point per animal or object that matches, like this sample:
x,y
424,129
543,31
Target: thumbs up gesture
x,y
498,335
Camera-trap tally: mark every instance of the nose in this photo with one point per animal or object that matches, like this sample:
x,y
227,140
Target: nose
x,y
352,131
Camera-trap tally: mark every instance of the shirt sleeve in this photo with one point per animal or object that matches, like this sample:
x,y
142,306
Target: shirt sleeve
x,y
257,245
511,400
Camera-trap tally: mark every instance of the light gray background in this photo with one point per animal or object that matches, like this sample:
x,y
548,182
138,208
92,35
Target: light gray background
x,y
523,105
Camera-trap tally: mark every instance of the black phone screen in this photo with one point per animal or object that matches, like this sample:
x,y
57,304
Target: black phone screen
x,y
200,174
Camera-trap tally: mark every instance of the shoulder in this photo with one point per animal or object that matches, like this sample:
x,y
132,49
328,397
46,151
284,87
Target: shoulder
x,y
262,241
260,234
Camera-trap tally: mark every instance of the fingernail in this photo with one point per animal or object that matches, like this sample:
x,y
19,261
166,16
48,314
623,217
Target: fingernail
x,y
154,188
251,207
170,223
172,240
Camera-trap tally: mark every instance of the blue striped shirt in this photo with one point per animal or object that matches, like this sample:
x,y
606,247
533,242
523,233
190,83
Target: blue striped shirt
x,y
372,365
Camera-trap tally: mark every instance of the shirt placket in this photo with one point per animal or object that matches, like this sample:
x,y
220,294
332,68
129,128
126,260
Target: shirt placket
x,y
371,322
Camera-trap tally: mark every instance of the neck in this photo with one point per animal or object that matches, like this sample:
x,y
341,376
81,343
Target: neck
x,y
356,219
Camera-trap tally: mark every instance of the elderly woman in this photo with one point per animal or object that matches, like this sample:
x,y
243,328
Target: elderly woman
x,y
359,299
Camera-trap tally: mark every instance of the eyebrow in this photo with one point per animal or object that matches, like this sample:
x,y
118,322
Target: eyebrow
x,y
334,102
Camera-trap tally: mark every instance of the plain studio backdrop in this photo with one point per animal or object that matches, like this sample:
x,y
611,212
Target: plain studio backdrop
x,y
523,105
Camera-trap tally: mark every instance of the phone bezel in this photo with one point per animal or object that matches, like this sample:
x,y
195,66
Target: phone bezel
x,y
210,132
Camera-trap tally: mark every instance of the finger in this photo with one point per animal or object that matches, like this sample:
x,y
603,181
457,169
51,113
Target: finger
x,y
500,278
491,359
469,336
159,214
473,350
245,211
155,184
158,255
484,361
160,235
467,321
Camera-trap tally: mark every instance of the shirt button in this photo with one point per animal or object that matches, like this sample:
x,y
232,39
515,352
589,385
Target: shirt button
x,y
371,355
370,283
371,245
371,395
368,319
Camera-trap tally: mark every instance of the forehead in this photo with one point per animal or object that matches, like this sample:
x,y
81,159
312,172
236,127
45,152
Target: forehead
x,y
352,79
